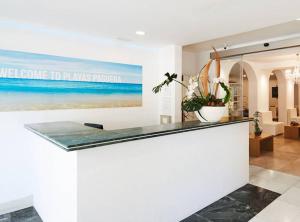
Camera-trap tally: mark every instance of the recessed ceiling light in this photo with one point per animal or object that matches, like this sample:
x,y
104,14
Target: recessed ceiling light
x,y
140,33
298,19
124,39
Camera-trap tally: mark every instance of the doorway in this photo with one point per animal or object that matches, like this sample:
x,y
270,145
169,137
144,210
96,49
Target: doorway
x,y
277,93
297,97
273,96
242,82
236,89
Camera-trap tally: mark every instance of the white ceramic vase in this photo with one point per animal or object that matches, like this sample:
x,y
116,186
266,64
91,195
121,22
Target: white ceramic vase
x,y
211,113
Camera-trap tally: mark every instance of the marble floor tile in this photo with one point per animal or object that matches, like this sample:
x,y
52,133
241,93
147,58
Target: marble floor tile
x,y
196,218
297,185
275,181
256,219
240,206
292,196
273,174
256,197
227,209
24,215
253,170
297,218
278,211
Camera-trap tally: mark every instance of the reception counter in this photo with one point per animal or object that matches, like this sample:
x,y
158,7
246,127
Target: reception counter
x,y
160,173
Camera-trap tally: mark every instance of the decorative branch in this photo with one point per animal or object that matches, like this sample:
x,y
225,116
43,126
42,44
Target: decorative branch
x,y
204,77
218,69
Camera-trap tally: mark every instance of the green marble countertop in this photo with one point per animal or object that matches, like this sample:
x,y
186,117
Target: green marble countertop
x,y
72,136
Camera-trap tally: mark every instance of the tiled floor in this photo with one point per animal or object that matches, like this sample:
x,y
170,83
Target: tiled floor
x,y
286,208
25,215
241,205
284,158
273,180
245,203
249,203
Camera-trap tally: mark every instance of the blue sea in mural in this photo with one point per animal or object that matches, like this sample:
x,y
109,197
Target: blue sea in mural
x,y
34,94
10,85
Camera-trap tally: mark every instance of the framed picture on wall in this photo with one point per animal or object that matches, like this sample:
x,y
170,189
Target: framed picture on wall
x,y
30,81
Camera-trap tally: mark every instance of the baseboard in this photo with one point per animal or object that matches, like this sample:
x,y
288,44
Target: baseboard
x,y
16,205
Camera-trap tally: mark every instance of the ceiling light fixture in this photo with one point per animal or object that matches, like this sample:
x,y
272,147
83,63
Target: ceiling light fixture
x,y
298,19
295,73
140,33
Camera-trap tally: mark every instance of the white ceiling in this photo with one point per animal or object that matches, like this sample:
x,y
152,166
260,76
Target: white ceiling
x,y
278,59
277,56
165,21
272,33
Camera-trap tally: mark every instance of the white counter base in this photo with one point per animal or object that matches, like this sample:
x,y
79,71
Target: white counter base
x,y
160,179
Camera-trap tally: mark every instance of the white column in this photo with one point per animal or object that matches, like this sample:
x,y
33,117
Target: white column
x,y
263,77
290,94
286,95
170,60
258,79
298,85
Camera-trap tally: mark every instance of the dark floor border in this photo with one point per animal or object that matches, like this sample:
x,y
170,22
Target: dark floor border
x,y
240,205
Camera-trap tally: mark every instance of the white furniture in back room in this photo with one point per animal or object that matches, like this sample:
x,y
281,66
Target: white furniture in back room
x,y
292,115
269,126
274,111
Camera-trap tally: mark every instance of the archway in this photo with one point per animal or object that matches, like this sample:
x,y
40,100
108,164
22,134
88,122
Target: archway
x,y
243,84
296,96
285,95
273,96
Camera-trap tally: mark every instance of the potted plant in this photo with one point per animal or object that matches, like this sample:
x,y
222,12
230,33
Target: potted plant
x,y
256,120
202,93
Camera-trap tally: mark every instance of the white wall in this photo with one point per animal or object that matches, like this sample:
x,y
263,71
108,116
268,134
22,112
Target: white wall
x,y
263,90
297,97
285,95
245,94
189,63
202,59
15,161
170,60
189,68
193,62
290,94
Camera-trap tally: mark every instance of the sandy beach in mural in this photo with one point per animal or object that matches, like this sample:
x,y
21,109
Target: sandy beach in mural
x,y
31,102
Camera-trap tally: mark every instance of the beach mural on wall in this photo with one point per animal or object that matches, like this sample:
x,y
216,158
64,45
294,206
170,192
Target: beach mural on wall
x,y
30,81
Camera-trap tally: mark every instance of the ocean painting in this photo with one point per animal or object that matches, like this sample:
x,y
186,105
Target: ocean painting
x,y
30,81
